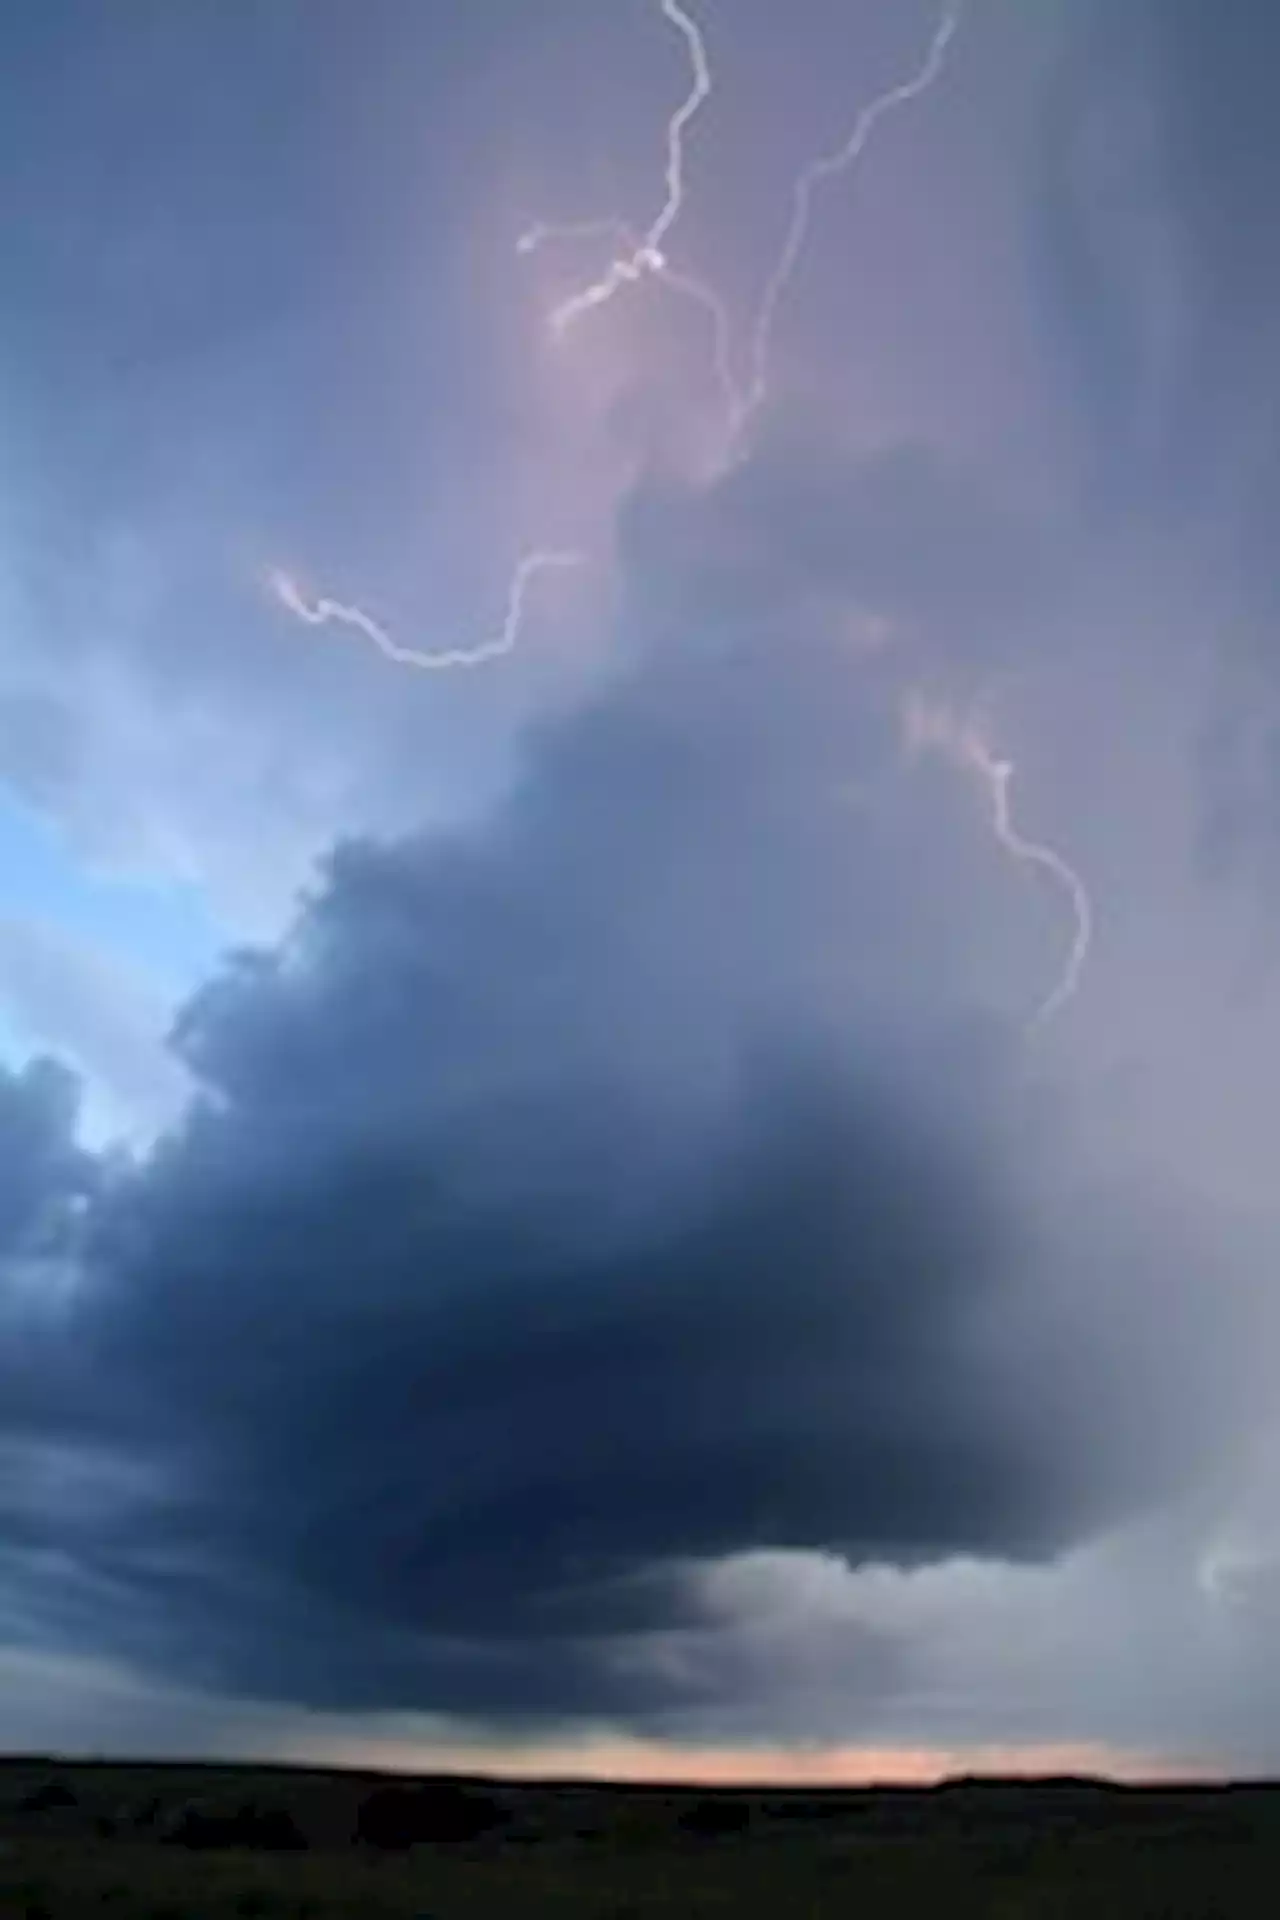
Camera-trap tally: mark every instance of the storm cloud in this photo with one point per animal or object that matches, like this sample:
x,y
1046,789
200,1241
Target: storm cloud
x,y
626,1182
620,1259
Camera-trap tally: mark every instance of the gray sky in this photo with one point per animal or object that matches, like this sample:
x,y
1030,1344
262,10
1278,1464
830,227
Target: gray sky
x,y
695,1194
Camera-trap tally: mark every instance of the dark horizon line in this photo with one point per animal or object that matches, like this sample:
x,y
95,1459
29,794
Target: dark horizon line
x,y
593,1782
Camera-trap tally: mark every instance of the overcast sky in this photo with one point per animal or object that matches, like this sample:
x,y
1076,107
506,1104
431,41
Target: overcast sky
x,y
695,1195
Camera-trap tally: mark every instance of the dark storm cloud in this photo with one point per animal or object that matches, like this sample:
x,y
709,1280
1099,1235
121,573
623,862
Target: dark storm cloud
x,y
42,1169
615,1186
46,1182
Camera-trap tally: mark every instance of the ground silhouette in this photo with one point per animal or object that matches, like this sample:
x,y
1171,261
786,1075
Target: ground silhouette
x,y
181,1842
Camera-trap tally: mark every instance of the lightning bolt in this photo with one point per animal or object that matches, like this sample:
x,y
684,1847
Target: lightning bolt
x,y
635,257
927,726
817,173
643,256
638,256
963,743
688,285
324,613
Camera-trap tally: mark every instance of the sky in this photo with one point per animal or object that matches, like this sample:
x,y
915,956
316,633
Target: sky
x,y
659,1161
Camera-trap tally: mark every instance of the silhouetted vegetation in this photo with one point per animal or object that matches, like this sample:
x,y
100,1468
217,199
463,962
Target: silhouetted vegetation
x,y
203,1824
428,1812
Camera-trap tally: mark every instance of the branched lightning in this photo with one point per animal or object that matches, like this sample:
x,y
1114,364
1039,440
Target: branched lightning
x,y
829,167
963,741
635,257
323,613
643,256
935,726
609,227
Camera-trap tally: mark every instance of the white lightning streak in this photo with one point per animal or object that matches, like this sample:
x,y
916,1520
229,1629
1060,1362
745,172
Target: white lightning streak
x,y
609,227
643,256
323,613
964,745
828,168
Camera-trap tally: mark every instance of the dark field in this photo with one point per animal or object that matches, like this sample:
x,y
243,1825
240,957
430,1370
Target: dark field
x,y
169,1842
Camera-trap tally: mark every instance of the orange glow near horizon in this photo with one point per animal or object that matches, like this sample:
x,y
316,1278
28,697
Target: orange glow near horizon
x,y
625,1762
